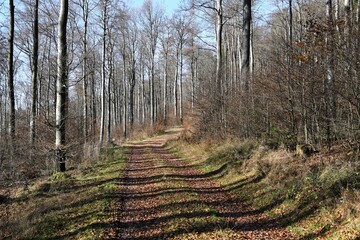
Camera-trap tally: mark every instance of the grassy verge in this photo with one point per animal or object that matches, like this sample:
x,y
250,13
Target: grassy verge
x,y
315,197
72,205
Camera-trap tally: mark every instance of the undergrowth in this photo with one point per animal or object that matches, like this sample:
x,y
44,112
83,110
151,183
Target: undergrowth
x,y
316,197
72,205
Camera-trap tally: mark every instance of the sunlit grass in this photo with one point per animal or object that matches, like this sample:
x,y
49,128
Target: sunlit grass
x,y
317,197
71,205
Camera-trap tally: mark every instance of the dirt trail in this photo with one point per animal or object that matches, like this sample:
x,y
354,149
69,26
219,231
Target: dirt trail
x,y
163,197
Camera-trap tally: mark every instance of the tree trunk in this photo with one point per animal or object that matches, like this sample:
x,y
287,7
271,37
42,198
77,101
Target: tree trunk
x,y
109,78
152,87
181,85
11,72
132,87
245,49
176,83
34,76
193,80
219,29
289,70
337,14
358,13
165,88
93,97
347,10
103,75
143,97
61,87
218,101
245,61
85,15
329,83
124,99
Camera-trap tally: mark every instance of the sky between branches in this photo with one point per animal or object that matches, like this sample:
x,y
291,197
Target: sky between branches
x,y
264,7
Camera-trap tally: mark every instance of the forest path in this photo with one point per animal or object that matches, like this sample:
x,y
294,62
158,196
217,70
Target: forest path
x,y
163,197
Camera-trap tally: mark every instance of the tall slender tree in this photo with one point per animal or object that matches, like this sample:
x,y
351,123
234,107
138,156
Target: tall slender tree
x,y
219,38
34,75
85,16
152,19
181,24
246,43
358,13
110,76
103,71
329,83
166,44
61,87
11,70
132,39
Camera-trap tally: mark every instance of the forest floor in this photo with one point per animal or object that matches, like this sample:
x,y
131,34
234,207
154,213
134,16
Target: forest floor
x,y
168,187
162,196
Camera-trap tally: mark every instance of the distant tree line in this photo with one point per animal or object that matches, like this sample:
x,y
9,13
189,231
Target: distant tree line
x,y
101,70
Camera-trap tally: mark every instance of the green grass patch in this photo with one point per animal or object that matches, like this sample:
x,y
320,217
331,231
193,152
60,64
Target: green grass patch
x,y
316,197
78,204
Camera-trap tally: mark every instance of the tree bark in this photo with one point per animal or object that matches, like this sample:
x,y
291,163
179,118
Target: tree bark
x,y
34,74
165,88
11,71
245,49
358,13
290,69
347,10
132,85
329,83
176,83
124,94
85,16
218,104
103,75
181,84
109,79
219,30
152,88
93,97
61,87
166,47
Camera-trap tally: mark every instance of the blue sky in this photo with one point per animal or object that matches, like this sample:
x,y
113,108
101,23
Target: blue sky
x,y
168,5
263,6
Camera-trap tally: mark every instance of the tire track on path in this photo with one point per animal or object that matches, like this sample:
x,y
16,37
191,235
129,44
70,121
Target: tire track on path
x,y
163,197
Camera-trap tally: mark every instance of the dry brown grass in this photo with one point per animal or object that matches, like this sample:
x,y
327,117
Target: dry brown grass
x,y
317,197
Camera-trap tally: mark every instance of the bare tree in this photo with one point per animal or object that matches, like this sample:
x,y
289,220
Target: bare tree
x,y
84,4
181,25
175,90
219,33
166,40
61,86
151,19
34,76
132,39
358,13
11,70
110,67
103,71
329,83
246,43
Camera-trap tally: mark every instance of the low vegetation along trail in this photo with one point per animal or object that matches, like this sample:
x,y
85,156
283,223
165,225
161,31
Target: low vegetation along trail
x,y
164,197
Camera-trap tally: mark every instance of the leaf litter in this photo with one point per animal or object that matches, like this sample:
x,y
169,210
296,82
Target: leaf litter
x,y
163,197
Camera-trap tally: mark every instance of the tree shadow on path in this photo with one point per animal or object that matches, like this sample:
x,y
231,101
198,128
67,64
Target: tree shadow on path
x,y
163,197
